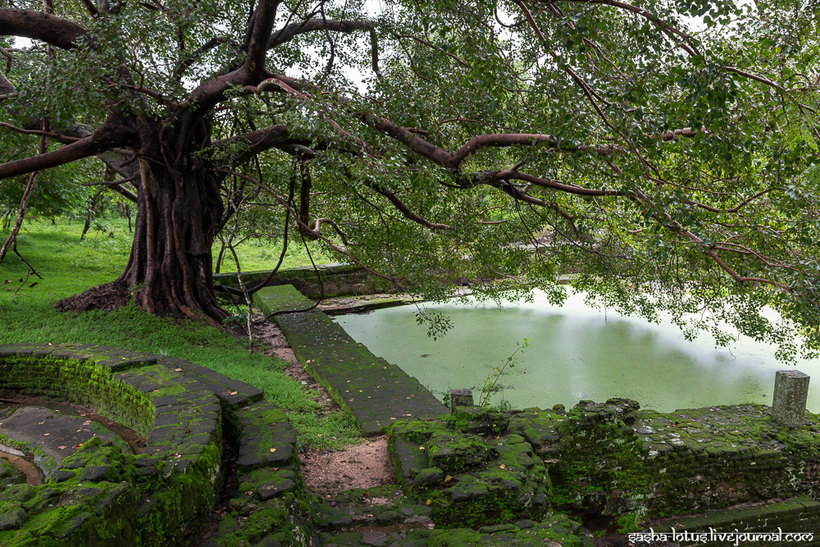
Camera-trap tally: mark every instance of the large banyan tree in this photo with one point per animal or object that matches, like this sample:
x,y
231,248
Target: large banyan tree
x,y
662,152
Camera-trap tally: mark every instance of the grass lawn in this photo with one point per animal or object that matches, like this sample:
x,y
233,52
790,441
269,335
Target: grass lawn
x,y
69,266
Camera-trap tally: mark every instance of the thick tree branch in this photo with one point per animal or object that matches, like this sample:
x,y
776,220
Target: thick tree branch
x,y
242,148
289,32
455,160
7,88
263,19
92,9
95,144
53,30
555,185
125,192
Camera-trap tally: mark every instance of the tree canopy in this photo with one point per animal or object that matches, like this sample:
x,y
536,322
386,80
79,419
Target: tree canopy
x,y
662,152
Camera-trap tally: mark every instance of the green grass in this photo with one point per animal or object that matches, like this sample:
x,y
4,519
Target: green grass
x,y
256,254
68,267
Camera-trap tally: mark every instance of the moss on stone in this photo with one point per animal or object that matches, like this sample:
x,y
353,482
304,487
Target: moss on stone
x,y
105,495
184,501
80,381
9,475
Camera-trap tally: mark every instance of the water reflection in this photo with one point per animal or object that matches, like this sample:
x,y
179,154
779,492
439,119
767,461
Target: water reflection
x,y
575,353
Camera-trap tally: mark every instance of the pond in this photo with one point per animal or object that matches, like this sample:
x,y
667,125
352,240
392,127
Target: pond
x,y
575,352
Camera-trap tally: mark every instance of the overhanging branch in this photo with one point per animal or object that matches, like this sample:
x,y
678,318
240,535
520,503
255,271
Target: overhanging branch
x,y
289,32
35,25
96,143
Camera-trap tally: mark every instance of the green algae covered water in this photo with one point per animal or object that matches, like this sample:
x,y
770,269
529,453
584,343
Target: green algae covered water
x,y
576,352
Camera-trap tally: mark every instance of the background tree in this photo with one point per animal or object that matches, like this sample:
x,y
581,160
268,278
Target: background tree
x,y
665,152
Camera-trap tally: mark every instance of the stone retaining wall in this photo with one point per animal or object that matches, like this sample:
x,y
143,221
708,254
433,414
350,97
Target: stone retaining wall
x,y
336,280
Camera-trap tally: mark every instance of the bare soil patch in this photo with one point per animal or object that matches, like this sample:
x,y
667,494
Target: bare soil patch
x,y
363,466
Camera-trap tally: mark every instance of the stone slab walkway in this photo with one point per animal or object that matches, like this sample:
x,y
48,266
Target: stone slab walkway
x,y
57,435
377,392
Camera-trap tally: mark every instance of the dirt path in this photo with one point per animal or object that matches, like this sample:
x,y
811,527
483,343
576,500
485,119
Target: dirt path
x,y
329,472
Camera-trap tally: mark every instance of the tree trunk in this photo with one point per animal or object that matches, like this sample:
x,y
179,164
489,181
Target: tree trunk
x,y
91,210
21,214
169,269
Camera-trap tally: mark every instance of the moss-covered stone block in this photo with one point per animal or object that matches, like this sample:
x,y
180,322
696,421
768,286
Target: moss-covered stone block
x,y
284,519
11,517
478,420
454,453
470,479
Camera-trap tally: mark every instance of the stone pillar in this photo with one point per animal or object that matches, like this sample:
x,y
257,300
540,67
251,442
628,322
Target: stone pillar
x,y
791,389
460,397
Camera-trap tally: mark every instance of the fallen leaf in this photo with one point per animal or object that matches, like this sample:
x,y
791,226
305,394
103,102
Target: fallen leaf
x,y
61,447
177,456
273,450
502,466
428,502
78,445
177,370
46,434
87,422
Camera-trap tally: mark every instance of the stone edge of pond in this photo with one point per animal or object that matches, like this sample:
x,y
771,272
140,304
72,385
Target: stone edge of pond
x,y
336,280
101,496
377,392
